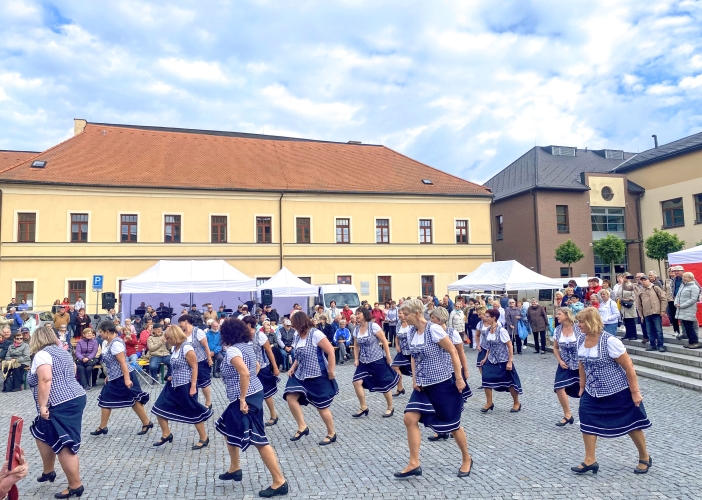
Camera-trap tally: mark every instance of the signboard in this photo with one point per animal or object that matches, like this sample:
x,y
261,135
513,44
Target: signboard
x,y
97,281
365,287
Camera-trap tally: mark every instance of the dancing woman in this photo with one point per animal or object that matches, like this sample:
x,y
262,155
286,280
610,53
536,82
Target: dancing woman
x,y
565,349
611,404
438,383
198,340
241,424
178,399
499,373
480,328
60,401
311,377
121,389
373,371
268,369
402,363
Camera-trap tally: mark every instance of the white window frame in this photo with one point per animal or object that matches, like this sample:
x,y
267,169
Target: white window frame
x,y
350,228
433,231
468,233
209,227
119,225
182,227
255,229
68,224
15,231
375,226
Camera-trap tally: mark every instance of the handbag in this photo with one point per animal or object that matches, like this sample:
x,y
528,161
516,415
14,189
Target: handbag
x,y
628,303
522,331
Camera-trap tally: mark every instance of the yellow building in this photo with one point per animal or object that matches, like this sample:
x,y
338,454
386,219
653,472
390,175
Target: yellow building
x,y
114,199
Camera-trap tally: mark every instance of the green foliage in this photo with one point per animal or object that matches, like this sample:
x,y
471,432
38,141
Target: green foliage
x,y
660,244
698,243
567,253
610,249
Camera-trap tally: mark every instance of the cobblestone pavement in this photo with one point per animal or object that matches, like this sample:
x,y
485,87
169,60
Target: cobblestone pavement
x,y
519,456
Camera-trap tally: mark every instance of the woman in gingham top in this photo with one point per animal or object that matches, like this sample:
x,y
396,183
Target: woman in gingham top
x,y
241,424
611,404
438,384
121,389
178,399
402,362
60,401
268,369
372,362
311,377
480,329
499,373
198,339
565,349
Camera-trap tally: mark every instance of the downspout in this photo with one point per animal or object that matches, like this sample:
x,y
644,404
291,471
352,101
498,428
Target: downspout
x,y
638,228
280,231
536,232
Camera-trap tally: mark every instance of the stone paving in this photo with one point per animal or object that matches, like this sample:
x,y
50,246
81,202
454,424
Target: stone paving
x,y
517,456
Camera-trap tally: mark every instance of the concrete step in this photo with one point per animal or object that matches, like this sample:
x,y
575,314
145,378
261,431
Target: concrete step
x,y
676,348
670,378
669,355
667,366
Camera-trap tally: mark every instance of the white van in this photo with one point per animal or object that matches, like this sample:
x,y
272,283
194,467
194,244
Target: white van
x,y
341,294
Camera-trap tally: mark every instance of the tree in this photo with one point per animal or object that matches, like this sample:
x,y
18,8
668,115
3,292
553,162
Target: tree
x,y
610,250
567,253
660,244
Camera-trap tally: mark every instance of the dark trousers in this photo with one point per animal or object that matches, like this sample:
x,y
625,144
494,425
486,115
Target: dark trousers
x,y
643,329
671,316
516,339
690,331
14,379
217,363
543,341
155,363
654,329
390,333
630,327
85,372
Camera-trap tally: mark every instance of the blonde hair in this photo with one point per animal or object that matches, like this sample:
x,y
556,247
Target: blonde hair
x,y
441,314
688,275
605,291
414,306
88,330
42,337
481,310
568,312
590,318
176,334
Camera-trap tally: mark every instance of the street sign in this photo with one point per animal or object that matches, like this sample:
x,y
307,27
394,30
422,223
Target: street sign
x,y
97,281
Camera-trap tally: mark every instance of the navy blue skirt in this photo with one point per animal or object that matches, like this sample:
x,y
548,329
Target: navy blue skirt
x,y
481,356
176,404
204,374
376,376
404,363
115,394
497,377
467,393
439,405
243,430
317,391
611,416
62,430
568,380
269,381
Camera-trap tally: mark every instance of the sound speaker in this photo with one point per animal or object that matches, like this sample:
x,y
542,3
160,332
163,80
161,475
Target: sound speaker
x,y
266,297
108,300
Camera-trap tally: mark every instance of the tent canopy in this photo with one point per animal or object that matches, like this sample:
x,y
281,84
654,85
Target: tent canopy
x,y
689,256
285,284
504,275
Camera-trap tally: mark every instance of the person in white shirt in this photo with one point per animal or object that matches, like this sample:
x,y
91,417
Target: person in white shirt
x,y
609,312
332,311
80,304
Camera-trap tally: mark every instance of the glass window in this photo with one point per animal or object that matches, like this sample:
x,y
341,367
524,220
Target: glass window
x,y
384,288
303,229
172,229
263,230
608,220
79,228
128,229
24,290
425,235
306,279
499,227
602,269
343,280
343,230
261,281
219,229
673,215
562,223
461,231
382,230
698,208
565,272
428,285
76,289
26,227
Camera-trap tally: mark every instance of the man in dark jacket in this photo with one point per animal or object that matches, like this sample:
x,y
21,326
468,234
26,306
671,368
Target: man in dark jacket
x,y
81,322
271,314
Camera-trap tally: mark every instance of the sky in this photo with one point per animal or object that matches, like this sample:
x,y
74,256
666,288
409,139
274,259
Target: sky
x,y
465,86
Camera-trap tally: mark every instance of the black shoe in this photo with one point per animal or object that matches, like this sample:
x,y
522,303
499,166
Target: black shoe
x,y
237,475
271,422
360,413
270,492
647,464
414,472
485,410
438,437
519,352
564,421
98,432
388,415
145,428
466,474
519,408
398,393
48,476
164,440
651,348
203,444
70,492
299,434
594,467
87,388
329,440
536,352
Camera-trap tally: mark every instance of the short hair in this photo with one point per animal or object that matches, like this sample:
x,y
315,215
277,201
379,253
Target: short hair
x,y
249,321
494,313
412,306
301,322
568,312
367,316
42,337
176,334
188,318
442,315
235,331
342,321
591,319
88,330
689,275
107,326
482,310
605,291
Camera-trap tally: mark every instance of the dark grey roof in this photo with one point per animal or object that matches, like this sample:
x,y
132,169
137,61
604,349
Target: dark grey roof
x,y
672,149
538,168
634,188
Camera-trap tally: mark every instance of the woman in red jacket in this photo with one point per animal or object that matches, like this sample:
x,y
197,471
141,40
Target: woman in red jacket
x,y
378,315
143,338
131,342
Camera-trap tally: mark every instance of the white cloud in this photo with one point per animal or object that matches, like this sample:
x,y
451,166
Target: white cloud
x,y
332,111
194,70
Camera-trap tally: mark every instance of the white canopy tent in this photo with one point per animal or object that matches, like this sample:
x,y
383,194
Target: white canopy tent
x,y
504,275
688,256
176,282
287,290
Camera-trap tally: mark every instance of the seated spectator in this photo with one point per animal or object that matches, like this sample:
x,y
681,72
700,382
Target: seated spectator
x,y
63,336
158,350
325,328
86,359
131,341
215,346
221,314
143,336
16,358
128,323
81,322
342,338
5,341
14,319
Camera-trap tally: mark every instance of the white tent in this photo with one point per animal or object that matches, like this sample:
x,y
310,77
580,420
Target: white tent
x,y
504,275
689,256
285,284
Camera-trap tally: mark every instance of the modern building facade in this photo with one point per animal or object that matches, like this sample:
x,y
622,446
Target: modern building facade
x,y
114,199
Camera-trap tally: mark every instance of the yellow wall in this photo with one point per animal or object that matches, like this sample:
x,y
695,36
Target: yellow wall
x,y
615,183
53,260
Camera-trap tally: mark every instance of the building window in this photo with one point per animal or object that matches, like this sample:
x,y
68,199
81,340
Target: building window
x,y
343,230
607,221
261,281
26,227
79,228
303,229
128,225
24,290
75,289
384,288
498,226
673,215
427,285
425,235
698,208
382,230
461,231
602,269
607,193
562,222
306,279
343,280
219,229
263,230
172,229
565,272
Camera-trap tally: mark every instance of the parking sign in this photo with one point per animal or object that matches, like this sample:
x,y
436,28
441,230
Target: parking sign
x,y
97,281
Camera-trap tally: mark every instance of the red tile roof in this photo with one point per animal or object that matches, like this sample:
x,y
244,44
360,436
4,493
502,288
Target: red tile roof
x,y
133,156
11,158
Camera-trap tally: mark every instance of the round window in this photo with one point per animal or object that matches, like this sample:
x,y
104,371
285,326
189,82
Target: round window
x,y
607,193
